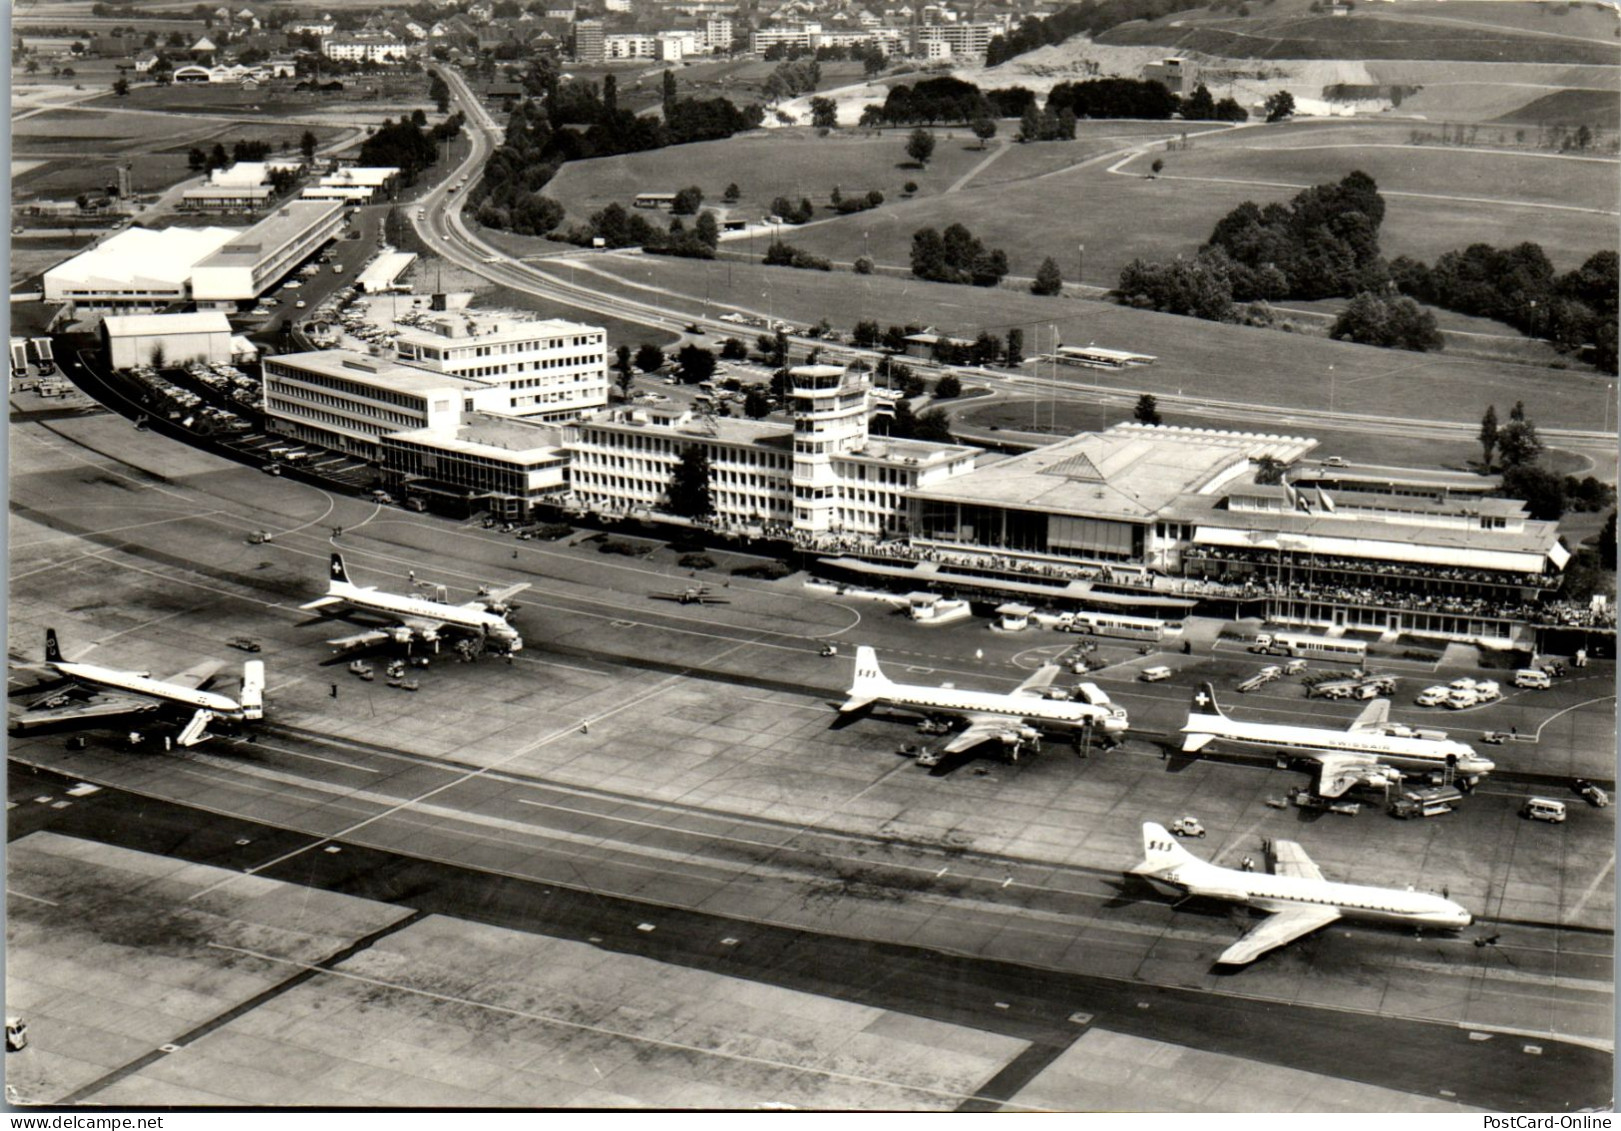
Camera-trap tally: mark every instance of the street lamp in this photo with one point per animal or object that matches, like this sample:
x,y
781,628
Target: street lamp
x,y
1080,261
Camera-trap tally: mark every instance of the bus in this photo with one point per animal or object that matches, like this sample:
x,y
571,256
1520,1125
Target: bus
x,y
1117,624
1311,647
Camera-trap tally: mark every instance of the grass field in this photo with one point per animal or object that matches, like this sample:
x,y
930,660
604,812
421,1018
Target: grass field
x,y
1598,109
765,165
1195,358
1120,218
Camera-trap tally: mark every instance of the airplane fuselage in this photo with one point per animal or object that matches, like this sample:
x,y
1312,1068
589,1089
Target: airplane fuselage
x,y
1273,893
1393,750
156,688
1043,713
394,604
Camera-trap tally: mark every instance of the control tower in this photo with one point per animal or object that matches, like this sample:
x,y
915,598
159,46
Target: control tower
x,y
830,419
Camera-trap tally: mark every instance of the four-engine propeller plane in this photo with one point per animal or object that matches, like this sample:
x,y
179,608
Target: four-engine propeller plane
x,y
419,618
92,693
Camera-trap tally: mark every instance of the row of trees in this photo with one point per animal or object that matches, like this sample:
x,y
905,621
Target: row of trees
x,y
945,100
406,145
1519,286
616,226
780,254
986,349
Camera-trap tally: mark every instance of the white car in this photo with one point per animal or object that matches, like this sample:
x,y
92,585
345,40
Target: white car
x,y
1461,698
291,285
1433,696
1155,674
1487,690
1463,684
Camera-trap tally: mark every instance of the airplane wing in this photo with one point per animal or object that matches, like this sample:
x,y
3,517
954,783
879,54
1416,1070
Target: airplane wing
x,y
197,675
981,728
496,596
1276,930
361,639
1193,743
102,705
1373,717
1041,679
1342,771
1289,859
321,603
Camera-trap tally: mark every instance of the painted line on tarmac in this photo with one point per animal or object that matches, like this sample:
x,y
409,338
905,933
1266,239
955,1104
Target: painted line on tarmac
x,y
301,754
1568,710
792,706
23,547
1587,893
32,898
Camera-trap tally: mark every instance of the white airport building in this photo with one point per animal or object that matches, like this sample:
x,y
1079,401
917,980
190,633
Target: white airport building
x,y
355,185
135,270
481,461
348,402
548,369
141,270
366,47
258,258
144,339
825,474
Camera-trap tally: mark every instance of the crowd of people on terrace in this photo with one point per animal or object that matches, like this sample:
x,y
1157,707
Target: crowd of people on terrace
x,y
1271,560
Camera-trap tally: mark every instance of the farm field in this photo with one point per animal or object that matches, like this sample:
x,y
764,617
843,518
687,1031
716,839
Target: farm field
x,y
1121,217
1195,358
363,95
1598,109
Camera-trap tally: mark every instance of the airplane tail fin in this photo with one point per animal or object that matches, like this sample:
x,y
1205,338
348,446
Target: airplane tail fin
x,y
1161,851
1204,702
339,572
53,650
870,681
253,689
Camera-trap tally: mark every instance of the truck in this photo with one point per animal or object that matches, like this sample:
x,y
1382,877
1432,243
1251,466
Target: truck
x,y
1431,802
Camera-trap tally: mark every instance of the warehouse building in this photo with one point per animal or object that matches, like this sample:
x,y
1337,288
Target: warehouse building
x,y
172,339
137,270
258,258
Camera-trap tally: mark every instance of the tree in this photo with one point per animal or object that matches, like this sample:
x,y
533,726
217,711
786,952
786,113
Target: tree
x,y
1280,106
1048,280
1488,436
649,357
440,93
697,364
984,129
1157,166
1396,323
307,144
920,146
1015,347
863,265
706,230
689,492
1147,410
933,425
688,201
824,113
1542,490
1200,106
865,335
732,349
1606,544
948,387
756,403
121,88
1518,411
668,92
626,371
610,94
1519,443
732,193
1269,471
419,117
196,158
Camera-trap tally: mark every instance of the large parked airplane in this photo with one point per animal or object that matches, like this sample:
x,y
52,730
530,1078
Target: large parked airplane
x,y
1364,753
417,618
1296,897
1010,718
89,692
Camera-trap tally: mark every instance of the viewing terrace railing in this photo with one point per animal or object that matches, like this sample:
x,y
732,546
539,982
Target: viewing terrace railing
x,y
1197,556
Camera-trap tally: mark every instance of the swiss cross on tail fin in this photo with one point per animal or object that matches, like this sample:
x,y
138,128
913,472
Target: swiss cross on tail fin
x,y
53,650
339,573
1204,701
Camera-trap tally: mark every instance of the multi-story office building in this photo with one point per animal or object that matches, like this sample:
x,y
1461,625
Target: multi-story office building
x,y
824,474
366,47
485,462
548,369
589,42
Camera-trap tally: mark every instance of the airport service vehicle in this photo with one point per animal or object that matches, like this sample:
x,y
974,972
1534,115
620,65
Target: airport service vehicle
x,y
90,692
1302,646
1363,754
1261,678
1188,826
418,618
1432,802
246,643
1543,809
1156,674
1294,667
1591,793
1117,625
337,268
1295,896
1010,718
1335,461
1532,678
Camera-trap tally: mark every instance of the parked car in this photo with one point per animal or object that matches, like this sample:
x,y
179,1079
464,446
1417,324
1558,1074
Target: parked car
x,y
1591,793
1432,696
1461,698
1155,674
1530,677
1187,826
1543,809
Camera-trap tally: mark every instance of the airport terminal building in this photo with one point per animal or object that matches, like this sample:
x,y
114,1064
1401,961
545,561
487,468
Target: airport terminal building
x,y
550,370
1159,520
824,475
